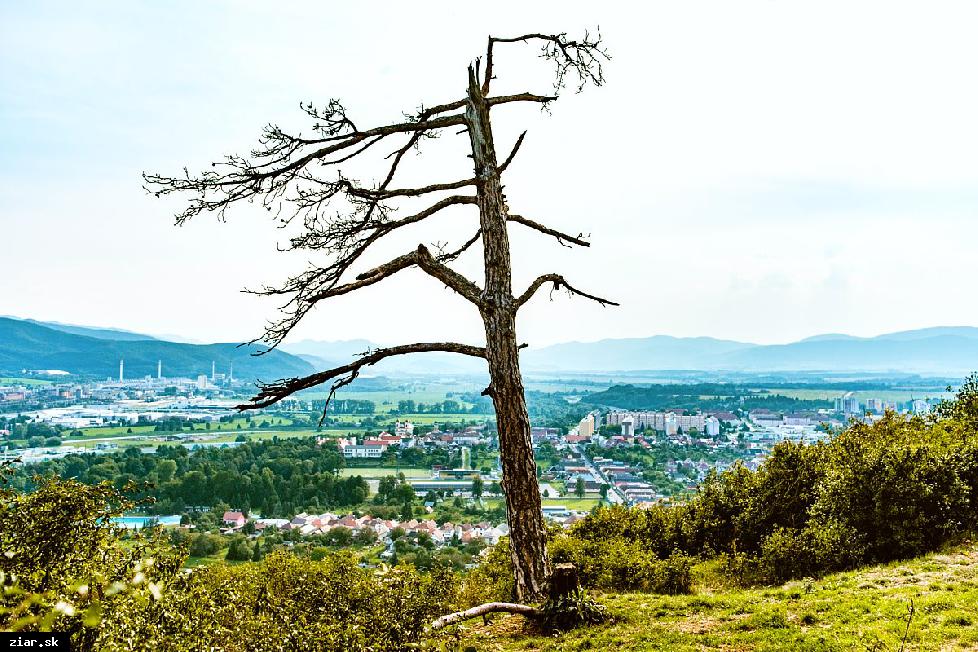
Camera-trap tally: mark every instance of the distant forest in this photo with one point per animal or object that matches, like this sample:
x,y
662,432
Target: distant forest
x,y
698,396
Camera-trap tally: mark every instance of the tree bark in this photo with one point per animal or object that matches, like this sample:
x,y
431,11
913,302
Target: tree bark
x,y
523,507
563,581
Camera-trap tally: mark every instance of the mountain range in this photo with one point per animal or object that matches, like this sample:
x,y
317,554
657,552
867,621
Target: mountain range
x,y
29,344
938,350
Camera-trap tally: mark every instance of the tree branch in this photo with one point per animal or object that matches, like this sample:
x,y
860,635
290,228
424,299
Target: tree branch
x,y
561,237
488,608
349,239
420,257
583,58
238,178
452,255
449,276
516,148
520,97
558,282
271,393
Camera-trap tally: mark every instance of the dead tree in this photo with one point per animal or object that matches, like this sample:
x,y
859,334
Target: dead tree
x,y
287,174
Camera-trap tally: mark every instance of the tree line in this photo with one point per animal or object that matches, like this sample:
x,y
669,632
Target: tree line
x,y
278,477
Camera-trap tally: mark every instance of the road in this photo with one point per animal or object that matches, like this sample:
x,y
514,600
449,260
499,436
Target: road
x,y
614,495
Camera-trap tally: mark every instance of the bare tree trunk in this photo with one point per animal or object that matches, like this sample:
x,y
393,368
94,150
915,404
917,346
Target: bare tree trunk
x,y
528,536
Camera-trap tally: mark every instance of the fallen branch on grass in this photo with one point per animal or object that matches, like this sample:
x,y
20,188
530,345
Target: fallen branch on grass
x,y
487,608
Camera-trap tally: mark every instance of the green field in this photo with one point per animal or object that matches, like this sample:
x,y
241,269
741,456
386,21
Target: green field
x,y
573,503
30,382
861,610
151,438
885,395
121,431
387,399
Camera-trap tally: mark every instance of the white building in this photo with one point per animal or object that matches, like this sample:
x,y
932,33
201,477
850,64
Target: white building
x,y
712,427
628,427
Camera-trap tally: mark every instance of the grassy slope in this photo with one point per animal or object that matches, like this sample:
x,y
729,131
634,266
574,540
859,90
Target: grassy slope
x,y
860,610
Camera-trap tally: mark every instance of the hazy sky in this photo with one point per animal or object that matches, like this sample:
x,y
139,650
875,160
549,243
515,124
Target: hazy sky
x,y
757,171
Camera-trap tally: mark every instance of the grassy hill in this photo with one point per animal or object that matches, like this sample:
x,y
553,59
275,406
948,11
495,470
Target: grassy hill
x,y
859,610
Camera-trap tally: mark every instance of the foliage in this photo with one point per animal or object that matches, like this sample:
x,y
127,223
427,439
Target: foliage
x,y
889,490
572,610
286,602
64,567
617,564
67,568
279,477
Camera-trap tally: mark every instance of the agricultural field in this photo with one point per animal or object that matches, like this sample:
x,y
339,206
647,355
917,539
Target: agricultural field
x,y
387,399
573,503
152,439
29,382
862,395
120,431
570,502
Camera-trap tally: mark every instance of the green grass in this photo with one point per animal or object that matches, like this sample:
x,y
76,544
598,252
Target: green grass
x,y
860,610
231,426
29,382
572,503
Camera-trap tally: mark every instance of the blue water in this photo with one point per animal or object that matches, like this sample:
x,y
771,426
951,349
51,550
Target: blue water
x,y
135,522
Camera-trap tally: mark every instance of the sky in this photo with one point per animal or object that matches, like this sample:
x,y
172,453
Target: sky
x,y
757,171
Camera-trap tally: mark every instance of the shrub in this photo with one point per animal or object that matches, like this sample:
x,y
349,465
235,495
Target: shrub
x,y
785,554
622,565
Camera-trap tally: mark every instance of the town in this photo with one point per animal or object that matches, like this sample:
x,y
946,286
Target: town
x,y
607,456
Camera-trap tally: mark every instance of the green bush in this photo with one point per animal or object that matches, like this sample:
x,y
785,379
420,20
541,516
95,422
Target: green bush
x,y
287,602
785,554
621,565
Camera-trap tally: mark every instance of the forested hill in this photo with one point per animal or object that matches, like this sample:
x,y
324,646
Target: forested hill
x,y
26,345
705,396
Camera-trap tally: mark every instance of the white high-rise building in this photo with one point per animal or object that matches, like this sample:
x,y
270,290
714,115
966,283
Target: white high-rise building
x,y
628,427
122,365
712,427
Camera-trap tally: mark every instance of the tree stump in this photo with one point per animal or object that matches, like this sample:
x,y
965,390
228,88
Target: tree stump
x,y
563,581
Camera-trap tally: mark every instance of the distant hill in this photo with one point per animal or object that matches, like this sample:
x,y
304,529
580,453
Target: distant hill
x,y
28,345
939,350
951,354
89,331
657,352
329,354
325,355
